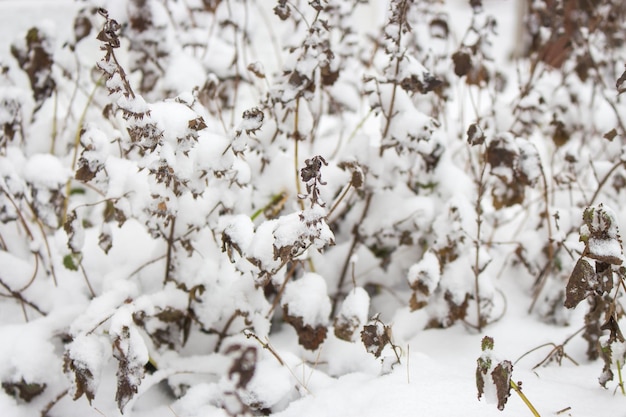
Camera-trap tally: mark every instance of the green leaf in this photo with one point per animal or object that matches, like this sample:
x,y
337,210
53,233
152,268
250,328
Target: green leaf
x,y
71,261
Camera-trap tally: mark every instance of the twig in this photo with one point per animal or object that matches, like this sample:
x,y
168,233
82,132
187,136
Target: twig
x,y
346,264
52,403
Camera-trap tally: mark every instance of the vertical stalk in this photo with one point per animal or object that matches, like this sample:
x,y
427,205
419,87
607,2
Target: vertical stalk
x,y
477,241
170,248
296,135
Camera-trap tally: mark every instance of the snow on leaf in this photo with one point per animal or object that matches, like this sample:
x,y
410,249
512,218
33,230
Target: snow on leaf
x,y
375,337
75,232
424,278
306,307
307,297
352,315
498,387
131,353
83,362
601,235
475,135
131,363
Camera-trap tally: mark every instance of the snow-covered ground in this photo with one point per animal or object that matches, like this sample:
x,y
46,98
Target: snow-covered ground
x,y
436,376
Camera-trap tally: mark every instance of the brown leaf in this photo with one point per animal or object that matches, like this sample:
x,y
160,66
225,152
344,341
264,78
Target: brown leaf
x,y
83,377
462,63
502,152
309,337
612,325
244,365
578,285
84,172
439,28
24,390
257,69
501,376
197,124
37,61
418,301
561,135
620,83
329,77
483,364
105,241
601,235
610,135
82,26
130,369
375,337
475,135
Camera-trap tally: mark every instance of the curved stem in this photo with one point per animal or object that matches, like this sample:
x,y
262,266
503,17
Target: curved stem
x,y
604,180
524,398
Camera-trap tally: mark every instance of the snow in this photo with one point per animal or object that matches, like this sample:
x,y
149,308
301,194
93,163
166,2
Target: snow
x,y
196,273
46,170
307,298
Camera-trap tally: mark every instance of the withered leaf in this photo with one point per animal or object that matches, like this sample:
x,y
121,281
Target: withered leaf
x,y
105,241
601,235
477,5
197,124
578,285
283,11
561,135
329,76
413,84
130,369
462,63
375,337
37,61
501,376
620,83
244,365
72,226
211,5
606,351
82,26
257,69
83,383
309,337
418,301
502,152
24,390
610,135
439,28
616,333
483,365
84,172
475,135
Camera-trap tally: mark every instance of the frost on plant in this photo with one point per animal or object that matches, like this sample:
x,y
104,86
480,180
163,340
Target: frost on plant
x,y
181,174
493,377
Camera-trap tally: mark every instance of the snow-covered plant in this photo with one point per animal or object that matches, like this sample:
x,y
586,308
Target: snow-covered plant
x,y
600,285
494,378
184,182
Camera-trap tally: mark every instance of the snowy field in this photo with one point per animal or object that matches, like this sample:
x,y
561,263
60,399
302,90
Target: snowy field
x,y
155,270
